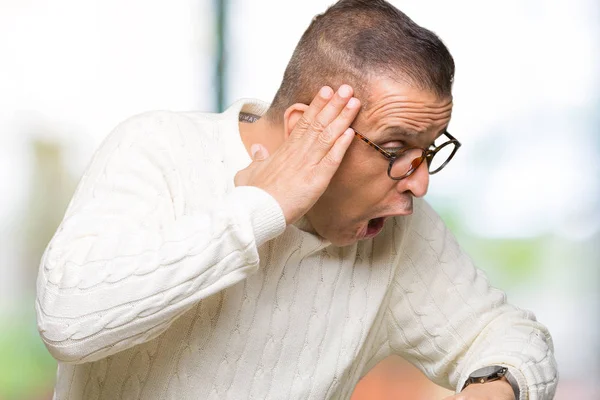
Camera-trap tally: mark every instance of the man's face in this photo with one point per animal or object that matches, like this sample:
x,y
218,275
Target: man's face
x,y
361,195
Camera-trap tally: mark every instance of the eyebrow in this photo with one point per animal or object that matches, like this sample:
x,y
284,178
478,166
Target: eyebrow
x,y
395,131
411,136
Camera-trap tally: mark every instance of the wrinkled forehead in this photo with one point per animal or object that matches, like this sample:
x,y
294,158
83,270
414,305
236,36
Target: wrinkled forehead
x,y
392,104
380,91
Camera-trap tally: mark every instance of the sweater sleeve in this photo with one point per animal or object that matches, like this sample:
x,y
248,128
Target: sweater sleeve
x,y
445,318
131,255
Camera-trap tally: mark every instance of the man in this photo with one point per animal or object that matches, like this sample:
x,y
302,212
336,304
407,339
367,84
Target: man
x,y
280,252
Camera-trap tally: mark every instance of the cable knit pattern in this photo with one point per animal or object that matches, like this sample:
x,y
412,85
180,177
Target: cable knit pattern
x,y
448,341
165,281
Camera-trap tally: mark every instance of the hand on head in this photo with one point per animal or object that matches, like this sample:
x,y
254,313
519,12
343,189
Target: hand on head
x,y
300,170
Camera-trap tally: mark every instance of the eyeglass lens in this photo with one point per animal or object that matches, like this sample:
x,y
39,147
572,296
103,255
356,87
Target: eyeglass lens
x,y
409,160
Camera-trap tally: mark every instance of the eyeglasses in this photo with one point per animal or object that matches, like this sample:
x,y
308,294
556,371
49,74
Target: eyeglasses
x,y
405,161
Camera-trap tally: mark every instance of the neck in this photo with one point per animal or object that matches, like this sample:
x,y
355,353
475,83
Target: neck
x,y
262,132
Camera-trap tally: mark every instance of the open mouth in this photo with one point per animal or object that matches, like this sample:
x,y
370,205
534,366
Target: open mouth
x,y
375,226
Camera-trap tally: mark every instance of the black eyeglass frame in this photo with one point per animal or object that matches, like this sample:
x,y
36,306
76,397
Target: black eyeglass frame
x,y
427,154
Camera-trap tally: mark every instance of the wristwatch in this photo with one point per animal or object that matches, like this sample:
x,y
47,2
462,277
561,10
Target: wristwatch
x,y
490,374
486,374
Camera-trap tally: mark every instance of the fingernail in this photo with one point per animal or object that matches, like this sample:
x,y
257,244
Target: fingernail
x,y
255,148
325,92
344,91
353,102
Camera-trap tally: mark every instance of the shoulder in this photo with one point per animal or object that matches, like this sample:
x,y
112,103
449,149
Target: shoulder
x,y
424,221
177,135
175,127
424,233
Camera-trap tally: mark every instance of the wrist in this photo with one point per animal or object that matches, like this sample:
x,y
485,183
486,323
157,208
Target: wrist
x,y
498,389
489,375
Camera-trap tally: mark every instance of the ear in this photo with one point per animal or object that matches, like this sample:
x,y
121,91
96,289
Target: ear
x,y
291,117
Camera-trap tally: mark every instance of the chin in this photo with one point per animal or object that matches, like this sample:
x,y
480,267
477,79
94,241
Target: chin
x,y
343,242
365,231
349,239
341,236
338,240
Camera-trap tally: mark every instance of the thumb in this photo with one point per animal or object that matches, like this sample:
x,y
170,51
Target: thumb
x,y
258,151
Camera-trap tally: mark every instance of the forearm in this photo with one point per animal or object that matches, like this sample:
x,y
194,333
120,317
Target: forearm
x,y
151,230
105,288
446,319
517,341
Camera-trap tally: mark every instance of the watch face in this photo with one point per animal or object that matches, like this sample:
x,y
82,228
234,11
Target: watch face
x,y
486,372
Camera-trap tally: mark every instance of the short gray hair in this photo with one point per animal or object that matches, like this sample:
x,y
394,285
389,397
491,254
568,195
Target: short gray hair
x,y
355,40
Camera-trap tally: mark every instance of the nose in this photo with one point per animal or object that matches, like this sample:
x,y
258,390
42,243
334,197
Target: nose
x,y
417,183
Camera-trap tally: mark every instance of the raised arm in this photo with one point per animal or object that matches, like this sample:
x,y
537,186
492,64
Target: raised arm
x,y
130,257
131,254
446,319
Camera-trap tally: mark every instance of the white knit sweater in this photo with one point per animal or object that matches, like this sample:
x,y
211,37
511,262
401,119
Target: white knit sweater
x,y
165,281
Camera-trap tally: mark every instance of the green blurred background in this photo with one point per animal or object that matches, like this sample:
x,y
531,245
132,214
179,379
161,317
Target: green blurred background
x,y
522,196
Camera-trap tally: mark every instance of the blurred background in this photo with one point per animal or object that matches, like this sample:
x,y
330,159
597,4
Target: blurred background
x,y
522,196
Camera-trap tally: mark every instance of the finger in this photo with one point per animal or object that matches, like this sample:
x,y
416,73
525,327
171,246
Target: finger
x,y
241,178
259,152
321,147
332,109
451,397
318,102
334,157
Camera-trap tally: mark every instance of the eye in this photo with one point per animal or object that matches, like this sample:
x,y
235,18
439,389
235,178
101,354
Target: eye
x,y
393,150
394,147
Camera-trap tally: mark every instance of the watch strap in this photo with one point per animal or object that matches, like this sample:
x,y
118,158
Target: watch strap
x,y
483,376
514,384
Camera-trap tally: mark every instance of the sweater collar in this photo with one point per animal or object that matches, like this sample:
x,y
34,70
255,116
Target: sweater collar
x,y
236,155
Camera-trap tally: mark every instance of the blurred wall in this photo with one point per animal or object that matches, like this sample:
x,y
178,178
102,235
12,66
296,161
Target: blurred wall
x,y
70,71
523,195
